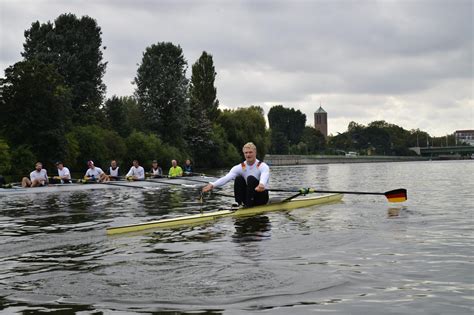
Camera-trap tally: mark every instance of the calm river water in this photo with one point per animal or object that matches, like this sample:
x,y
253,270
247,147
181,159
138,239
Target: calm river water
x,y
360,256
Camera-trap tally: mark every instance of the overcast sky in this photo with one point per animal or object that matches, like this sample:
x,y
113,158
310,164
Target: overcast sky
x,y
409,63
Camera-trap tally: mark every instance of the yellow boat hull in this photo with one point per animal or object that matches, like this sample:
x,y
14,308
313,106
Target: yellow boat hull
x,y
210,216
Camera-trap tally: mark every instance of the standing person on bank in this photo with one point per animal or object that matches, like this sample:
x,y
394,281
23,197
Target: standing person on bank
x,y
250,179
39,177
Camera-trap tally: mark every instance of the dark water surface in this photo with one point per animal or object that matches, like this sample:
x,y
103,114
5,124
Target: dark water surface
x,y
361,256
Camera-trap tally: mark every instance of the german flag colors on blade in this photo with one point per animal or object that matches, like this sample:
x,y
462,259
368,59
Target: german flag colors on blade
x,y
397,195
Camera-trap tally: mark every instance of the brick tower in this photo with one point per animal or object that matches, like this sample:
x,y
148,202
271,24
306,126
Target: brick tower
x,y
321,121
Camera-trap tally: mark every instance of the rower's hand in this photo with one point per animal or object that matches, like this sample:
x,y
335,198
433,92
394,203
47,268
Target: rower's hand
x,y
207,188
260,188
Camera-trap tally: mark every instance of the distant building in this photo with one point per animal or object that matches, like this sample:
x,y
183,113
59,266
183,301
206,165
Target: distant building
x,y
466,136
321,121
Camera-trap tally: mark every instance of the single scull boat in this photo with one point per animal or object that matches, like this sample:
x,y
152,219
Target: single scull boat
x,y
210,216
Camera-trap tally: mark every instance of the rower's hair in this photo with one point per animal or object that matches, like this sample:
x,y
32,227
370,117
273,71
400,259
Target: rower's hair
x,y
249,145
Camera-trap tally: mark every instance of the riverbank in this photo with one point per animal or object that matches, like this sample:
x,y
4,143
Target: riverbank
x,y
277,160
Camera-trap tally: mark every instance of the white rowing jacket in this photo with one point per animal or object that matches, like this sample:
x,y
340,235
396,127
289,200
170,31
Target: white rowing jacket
x,y
259,170
156,172
64,173
41,175
96,171
114,172
139,172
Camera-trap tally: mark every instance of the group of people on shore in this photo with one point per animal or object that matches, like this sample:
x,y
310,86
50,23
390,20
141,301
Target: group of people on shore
x,y
251,177
39,176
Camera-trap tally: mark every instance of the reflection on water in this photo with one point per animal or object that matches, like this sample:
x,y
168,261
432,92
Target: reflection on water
x,y
362,255
252,229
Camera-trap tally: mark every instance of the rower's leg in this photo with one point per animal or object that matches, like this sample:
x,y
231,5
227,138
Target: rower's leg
x,y
255,198
240,190
25,182
36,183
261,198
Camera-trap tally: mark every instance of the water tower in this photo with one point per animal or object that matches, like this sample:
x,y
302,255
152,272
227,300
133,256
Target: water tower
x,y
321,121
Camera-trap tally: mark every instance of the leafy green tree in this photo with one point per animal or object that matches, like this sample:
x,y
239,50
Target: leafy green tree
x,y
5,157
24,161
148,147
202,91
94,143
314,140
290,122
246,124
224,153
34,109
280,144
117,115
74,47
203,108
134,114
161,91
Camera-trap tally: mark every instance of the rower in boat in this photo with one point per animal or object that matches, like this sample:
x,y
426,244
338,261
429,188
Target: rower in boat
x,y
113,173
250,179
156,170
175,170
39,177
95,173
136,172
64,175
188,168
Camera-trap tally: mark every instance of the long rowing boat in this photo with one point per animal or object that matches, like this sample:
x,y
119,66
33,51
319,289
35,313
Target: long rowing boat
x,y
151,183
210,216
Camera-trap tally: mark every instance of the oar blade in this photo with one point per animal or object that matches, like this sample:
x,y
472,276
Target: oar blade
x,y
396,195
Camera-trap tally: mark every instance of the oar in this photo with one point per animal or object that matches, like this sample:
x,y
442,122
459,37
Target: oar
x,y
163,182
112,183
121,185
396,195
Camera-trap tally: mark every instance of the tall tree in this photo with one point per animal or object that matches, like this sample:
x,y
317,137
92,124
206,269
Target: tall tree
x,y
34,108
288,121
202,91
203,108
118,115
314,139
161,91
74,46
246,124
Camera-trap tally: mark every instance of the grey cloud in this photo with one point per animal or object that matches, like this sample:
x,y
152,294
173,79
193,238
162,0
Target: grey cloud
x,y
284,52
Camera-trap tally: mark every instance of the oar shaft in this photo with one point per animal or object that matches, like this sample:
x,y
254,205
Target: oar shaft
x,y
310,190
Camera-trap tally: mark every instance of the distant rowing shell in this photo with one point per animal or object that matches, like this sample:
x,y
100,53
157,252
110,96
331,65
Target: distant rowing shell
x,y
58,188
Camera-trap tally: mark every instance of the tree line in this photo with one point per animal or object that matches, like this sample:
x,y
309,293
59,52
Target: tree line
x,y
53,107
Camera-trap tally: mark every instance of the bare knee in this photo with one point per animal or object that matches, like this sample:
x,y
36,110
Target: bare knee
x,y
25,182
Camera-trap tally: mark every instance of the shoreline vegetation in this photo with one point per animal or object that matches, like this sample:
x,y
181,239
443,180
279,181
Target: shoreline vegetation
x,y
53,108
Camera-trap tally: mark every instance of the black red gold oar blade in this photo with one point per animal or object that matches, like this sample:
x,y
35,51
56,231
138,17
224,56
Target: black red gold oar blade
x,y
396,195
